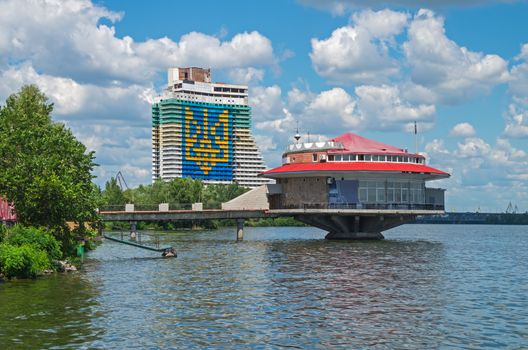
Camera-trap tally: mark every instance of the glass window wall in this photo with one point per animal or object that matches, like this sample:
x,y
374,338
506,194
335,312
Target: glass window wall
x,y
391,191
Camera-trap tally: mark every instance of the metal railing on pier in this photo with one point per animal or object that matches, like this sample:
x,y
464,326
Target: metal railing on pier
x,y
157,207
378,206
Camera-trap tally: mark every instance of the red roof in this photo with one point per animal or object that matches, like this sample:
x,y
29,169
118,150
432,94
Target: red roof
x,y
359,144
354,166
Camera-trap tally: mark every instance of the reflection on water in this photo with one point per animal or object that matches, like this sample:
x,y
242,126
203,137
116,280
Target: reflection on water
x,y
424,287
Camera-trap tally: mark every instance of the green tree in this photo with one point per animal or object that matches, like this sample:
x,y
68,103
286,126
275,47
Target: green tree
x,y
184,191
46,172
112,194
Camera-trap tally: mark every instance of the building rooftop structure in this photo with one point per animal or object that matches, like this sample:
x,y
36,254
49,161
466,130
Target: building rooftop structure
x,y
202,130
351,152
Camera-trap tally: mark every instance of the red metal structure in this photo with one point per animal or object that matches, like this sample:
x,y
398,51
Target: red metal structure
x,y
7,211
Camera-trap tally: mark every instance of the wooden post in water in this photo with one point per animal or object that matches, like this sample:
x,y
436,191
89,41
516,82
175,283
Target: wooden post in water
x,y
240,229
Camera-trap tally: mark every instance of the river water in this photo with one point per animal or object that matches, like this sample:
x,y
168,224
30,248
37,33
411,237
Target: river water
x,y
424,287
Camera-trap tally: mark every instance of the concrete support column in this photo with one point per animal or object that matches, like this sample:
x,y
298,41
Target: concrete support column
x,y
346,227
240,229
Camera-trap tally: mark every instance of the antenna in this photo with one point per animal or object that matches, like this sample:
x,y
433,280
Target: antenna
x,y
297,135
416,137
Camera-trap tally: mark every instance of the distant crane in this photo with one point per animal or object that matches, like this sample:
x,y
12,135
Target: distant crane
x,y
511,209
121,180
123,184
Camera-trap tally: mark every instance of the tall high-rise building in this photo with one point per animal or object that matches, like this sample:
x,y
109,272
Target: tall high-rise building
x,y
202,130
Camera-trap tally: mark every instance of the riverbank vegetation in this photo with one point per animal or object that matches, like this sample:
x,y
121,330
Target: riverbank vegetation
x,y
47,174
27,251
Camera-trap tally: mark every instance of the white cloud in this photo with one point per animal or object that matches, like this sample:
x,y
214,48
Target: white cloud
x,y
463,130
266,103
481,171
384,108
265,143
340,7
473,147
517,119
519,74
247,76
66,38
436,147
383,24
453,73
359,53
330,110
75,101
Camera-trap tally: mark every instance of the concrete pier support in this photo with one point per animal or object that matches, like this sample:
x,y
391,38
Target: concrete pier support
x,y
240,229
133,230
357,227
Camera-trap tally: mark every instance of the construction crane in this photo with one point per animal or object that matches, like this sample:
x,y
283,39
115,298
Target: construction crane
x,y
511,209
121,180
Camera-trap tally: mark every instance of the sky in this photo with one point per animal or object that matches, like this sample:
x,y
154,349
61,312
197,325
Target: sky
x,y
457,68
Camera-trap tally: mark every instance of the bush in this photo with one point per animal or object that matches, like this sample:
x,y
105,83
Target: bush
x,y
2,232
20,235
24,261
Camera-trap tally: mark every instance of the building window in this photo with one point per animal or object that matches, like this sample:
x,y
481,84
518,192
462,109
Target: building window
x,y
338,158
380,192
330,157
314,157
368,157
362,195
371,191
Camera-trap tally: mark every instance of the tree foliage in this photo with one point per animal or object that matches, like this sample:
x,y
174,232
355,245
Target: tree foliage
x,y
113,196
180,193
46,172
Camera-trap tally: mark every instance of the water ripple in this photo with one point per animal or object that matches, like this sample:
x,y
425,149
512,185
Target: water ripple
x,y
425,287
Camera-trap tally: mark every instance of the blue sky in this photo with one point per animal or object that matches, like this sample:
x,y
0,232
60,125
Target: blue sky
x,y
370,67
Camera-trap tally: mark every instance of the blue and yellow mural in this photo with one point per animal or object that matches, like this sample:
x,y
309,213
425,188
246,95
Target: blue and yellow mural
x,y
206,146
203,135
207,150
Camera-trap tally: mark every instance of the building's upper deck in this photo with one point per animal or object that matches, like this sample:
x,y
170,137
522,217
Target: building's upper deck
x,y
349,148
194,84
351,153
